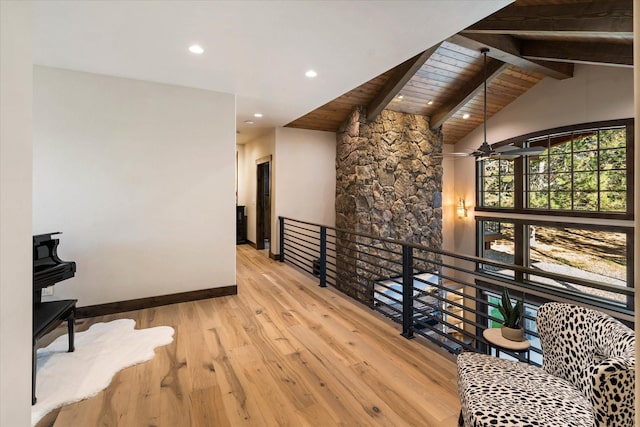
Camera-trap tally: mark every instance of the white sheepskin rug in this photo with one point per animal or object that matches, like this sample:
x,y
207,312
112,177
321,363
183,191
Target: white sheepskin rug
x,y
101,351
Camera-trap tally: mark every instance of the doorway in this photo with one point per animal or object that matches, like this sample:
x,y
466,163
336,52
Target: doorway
x,y
263,203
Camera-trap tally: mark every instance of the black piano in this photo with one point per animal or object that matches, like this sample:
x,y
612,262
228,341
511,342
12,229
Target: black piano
x,y
49,269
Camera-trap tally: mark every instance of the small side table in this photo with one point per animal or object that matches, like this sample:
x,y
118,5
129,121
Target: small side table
x,y
495,338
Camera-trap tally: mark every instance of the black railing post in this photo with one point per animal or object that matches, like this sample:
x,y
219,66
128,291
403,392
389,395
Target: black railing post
x,y
281,220
323,257
407,291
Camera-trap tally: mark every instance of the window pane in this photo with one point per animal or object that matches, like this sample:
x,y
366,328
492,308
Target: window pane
x,y
560,181
587,254
539,199
613,138
584,201
491,199
491,167
560,144
613,201
492,183
506,199
585,140
613,159
585,181
613,180
497,244
539,165
506,183
560,200
506,167
585,161
560,163
538,182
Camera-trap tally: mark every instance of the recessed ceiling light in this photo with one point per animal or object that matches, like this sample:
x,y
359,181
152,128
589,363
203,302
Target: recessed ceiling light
x,y
430,102
196,48
249,122
258,115
466,116
311,74
400,96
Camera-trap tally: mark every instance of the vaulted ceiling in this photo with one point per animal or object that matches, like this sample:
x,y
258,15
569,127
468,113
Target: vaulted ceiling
x,y
528,41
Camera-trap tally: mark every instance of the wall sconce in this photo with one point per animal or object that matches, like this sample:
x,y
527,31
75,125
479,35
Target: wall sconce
x,y
462,209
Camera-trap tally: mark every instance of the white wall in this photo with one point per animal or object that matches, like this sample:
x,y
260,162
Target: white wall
x,y
595,93
241,177
140,178
15,212
254,150
306,178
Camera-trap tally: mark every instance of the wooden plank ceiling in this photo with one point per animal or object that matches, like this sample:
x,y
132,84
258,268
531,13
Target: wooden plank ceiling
x,y
528,40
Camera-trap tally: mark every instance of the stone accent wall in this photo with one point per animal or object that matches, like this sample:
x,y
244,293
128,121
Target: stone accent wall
x,y
388,185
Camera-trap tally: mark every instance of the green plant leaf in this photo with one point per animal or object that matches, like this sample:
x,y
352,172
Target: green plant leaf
x,y
518,310
506,301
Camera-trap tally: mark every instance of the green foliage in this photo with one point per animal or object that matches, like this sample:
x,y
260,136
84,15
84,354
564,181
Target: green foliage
x,y
512,314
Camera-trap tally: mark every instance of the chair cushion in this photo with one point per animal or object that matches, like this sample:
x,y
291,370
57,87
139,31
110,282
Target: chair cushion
x,y
498,392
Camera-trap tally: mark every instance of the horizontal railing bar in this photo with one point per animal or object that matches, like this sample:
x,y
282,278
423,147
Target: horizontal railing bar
x,y
300,253
343,239
370,263
294,234
300,257
314,230
293,242
301,267
360,244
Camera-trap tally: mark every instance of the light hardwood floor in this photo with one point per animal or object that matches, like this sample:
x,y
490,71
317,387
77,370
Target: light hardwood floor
x,y
281,352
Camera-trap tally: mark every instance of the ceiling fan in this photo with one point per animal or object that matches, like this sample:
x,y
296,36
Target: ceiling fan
x,y
486,151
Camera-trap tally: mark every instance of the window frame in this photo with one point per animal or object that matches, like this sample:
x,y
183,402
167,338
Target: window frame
x,y
521,175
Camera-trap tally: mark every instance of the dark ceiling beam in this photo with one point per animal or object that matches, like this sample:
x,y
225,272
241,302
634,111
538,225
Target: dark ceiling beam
x,y
597,53
466,93
602,17
398,80
507,49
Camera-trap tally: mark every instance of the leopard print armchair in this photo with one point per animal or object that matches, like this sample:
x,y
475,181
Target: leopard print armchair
x,y
596,353
587,378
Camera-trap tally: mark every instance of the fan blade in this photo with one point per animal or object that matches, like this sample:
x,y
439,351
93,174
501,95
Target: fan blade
x,y
504,149
527,151
452,155
505,156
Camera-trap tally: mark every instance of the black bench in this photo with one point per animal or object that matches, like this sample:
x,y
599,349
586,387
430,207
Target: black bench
x,y
46,317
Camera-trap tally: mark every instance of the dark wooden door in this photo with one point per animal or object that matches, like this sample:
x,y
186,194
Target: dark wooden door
x,y
263,203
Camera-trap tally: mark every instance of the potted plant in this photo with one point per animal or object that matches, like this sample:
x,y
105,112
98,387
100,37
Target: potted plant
x,y
512,315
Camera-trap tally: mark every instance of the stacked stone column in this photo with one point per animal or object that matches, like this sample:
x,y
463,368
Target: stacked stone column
x,y
388,184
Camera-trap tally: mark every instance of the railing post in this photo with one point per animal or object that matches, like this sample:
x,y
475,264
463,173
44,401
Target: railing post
x,y
407,291
281,220
323,257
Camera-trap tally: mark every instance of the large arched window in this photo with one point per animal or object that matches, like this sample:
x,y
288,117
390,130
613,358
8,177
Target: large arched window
x,y
585,170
